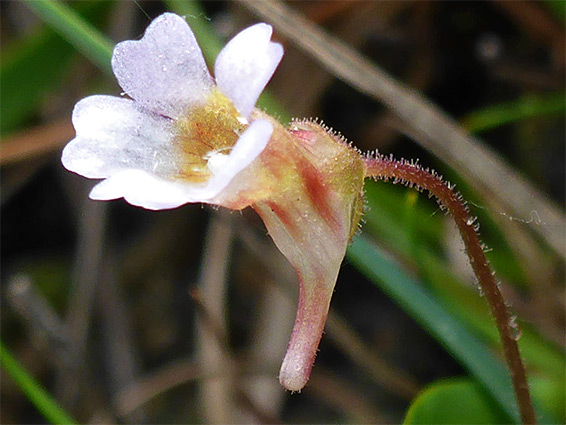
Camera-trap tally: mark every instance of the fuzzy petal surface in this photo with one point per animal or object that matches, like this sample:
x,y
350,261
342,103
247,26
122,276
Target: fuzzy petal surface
x,y
142,189
248,147
165,70
114,134
145,189
246,64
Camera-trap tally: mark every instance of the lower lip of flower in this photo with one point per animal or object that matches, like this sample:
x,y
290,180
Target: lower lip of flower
x,y
206,136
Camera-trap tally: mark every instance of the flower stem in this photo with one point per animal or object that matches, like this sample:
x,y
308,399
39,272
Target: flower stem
x,y
415,176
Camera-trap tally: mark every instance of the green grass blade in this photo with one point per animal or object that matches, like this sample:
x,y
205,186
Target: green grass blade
x,y
498,115
46,405
436,319
81,34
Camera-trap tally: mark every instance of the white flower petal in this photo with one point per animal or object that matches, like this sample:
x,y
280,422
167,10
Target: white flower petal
x,y
149,191
165,70
142,189
246,64
251,143
248,147
114,134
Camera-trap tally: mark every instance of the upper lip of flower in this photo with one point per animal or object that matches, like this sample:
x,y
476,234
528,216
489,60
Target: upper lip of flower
x,y
130,141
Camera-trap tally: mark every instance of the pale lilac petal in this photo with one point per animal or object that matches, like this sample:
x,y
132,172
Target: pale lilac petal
x,y
246,64
165,70
144,189
114,134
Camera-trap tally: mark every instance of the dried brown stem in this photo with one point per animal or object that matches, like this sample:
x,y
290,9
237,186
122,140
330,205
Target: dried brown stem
x,y
217,405
36,141
415,176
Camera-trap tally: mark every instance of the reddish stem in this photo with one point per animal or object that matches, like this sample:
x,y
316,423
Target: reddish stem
x,y
413,175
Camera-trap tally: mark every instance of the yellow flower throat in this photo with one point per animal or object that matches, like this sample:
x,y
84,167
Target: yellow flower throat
x,y
209,129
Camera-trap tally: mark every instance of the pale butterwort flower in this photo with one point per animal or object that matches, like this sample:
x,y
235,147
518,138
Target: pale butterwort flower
x,y
185,137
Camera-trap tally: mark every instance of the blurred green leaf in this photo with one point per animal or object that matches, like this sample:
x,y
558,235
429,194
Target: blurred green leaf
x,y
464,303
550,393
396,215
23,86
436,319
76,30
454,401
417,228
501,255
50,275
34,66
505,113
436,316
46,405
558,8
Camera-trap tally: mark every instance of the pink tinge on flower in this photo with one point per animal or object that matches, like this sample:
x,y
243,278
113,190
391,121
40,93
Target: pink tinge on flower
x,y
311,219
184,137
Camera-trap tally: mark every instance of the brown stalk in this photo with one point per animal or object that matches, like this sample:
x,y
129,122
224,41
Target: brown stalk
x,y
422,179
217,402
36,141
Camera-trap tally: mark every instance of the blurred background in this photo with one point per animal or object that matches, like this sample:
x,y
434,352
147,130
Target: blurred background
x,y
130,316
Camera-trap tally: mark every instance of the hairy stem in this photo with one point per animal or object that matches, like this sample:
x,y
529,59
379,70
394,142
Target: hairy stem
x,y
422,179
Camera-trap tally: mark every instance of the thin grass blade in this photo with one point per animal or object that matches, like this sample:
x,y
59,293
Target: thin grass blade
x,y
46,405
